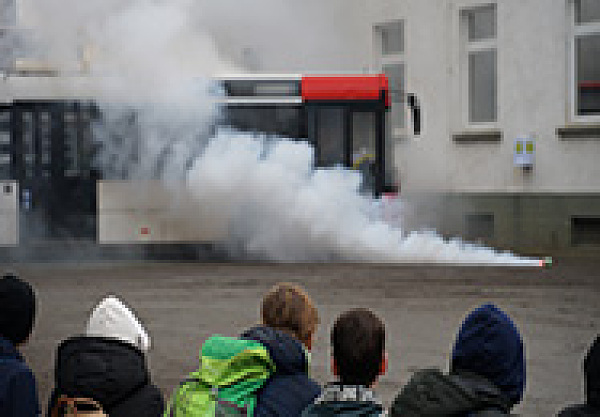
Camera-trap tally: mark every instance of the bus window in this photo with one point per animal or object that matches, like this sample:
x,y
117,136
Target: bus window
x,y
45,142
289,122
330,136
28,144
87,149
71,145
278,121
5,149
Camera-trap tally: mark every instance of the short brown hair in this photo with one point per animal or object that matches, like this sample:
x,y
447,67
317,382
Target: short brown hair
x,y
288,308
358,341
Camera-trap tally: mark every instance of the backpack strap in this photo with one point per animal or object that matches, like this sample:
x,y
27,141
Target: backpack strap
x,y
72,406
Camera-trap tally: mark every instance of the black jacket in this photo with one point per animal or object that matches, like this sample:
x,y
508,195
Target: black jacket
x,y
432,393
110,371
591,369
18,394
290,389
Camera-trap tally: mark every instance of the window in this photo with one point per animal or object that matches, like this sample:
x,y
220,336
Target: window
x,y
585,52
478,27
479,226
278,121
45,131
8,13
389,46
5,148
585,231
6,48
28,142
8,20
330,136
71,145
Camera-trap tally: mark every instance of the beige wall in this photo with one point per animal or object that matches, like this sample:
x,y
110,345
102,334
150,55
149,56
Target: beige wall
x,y
533,100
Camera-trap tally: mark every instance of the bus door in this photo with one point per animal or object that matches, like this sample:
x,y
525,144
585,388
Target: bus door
x,y
364,146
52,163
346,124
329,129
350,135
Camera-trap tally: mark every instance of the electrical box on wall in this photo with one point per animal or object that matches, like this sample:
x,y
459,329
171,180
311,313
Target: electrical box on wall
x,y
524,153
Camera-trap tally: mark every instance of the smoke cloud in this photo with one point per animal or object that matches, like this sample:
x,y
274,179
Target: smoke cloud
x,y
148,65
283,209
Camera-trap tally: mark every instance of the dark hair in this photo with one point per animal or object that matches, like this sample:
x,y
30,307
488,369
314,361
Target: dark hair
x,y
288,308
358,341
591,366
17,308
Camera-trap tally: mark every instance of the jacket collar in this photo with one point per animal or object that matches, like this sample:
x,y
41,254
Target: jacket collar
x,y
8,350
343,393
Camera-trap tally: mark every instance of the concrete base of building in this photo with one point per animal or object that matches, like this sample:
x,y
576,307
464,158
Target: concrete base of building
x,y
536,224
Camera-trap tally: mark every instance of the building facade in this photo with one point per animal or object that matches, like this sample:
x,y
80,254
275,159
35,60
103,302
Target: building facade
x,y
510,95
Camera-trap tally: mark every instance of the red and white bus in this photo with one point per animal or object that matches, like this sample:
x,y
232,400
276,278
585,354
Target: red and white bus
x,y
46,151
342,116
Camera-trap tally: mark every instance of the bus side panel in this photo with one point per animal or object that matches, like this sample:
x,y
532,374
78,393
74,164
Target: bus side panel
x,y
9,213
138,212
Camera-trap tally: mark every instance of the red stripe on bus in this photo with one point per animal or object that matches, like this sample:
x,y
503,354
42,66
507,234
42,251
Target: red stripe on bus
x,y
589,84
345,87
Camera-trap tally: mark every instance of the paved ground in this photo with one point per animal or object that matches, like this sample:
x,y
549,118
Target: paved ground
x,y
558,311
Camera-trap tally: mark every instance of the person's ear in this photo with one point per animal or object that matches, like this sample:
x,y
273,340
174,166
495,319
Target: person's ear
x,y
384,364
334,367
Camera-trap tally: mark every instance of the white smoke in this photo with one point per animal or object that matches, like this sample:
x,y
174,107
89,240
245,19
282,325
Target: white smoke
x,y
278,206
283,209
148,65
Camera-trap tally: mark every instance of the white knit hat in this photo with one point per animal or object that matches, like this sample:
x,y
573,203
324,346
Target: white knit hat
x,y
112,319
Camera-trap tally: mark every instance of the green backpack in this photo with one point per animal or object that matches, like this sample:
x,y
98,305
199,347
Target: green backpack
x,y
231,372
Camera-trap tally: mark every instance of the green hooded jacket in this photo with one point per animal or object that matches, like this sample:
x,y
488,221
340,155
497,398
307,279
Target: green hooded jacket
x,y
231,372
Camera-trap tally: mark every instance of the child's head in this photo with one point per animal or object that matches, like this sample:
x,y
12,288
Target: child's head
x,y
358,342
17,309
288,308
591,368
489,344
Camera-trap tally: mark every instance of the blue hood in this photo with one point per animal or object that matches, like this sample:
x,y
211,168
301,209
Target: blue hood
x,y
489,344
289,390
287,352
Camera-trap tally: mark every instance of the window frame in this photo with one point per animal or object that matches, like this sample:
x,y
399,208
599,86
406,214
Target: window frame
x,y
577,30
467,47
398,58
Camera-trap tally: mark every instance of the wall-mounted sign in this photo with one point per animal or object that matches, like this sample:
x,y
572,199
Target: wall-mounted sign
x,y
524,152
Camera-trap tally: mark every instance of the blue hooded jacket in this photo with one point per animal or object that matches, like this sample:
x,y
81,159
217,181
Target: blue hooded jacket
x,y
489,344
18,393
290,390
